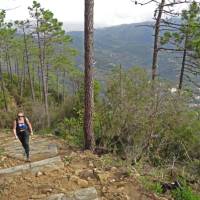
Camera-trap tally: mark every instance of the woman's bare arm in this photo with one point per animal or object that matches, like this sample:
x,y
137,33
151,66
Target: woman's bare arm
x,y
14,129
30,126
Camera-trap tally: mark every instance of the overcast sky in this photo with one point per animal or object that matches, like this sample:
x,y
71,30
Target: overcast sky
x,y
107,12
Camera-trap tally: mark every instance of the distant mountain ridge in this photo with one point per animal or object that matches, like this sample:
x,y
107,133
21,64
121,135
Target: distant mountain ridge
x,y
128,45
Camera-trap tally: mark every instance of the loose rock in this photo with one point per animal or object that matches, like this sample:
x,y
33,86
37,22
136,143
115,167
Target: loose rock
x,y
82,183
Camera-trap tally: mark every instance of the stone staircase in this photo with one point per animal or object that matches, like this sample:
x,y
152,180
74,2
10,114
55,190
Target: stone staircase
x,y
58,172
45,158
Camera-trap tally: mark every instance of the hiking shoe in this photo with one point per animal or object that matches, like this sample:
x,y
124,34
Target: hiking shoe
x,y
28,160
24,155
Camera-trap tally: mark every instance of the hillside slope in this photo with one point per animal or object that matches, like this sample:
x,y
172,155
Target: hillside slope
x,y
129,45
80,170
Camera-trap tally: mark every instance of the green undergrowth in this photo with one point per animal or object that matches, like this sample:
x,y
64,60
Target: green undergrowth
x,y
185,193
150,185
2,151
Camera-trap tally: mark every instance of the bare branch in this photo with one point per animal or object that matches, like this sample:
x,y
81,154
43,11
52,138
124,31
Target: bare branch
x,y
170,49
170,23
177,3
9,9
145,3
150,26
189,79
192,71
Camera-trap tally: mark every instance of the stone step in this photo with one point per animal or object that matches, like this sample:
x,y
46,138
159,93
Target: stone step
x,y
38,149
43,165
13,142
81,194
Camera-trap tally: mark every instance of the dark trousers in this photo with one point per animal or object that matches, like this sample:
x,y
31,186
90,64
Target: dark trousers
x,y
24,139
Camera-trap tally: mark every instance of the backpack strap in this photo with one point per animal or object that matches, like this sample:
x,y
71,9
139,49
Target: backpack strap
x,y
25,121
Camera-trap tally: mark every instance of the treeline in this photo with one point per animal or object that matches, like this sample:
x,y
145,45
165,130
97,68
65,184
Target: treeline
x,y
183,37
35,60
177,31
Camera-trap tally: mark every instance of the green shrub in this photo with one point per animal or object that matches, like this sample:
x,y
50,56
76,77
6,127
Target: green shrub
x,y
2,151
185,193
151,186
7,119
134,114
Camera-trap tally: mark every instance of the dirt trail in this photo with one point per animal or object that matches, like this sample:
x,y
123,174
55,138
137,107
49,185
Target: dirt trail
x,y
81,170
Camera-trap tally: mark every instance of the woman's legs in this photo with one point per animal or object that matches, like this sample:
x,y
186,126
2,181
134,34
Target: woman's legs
x,y
24,139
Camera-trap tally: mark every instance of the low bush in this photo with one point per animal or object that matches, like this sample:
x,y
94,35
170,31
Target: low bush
x,y
185,193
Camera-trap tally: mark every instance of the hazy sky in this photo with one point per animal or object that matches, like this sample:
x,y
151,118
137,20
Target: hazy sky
x,y
107,12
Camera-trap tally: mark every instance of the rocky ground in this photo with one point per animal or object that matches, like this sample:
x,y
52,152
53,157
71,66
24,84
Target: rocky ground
x,y
82,176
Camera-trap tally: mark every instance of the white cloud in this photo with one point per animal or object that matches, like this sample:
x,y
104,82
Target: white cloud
x,y
121,11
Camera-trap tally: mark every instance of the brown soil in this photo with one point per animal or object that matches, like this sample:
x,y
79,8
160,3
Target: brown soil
x,y
82,169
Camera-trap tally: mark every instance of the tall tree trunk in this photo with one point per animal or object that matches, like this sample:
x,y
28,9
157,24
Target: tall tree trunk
x,y
10,68
121,90
22,84
7,66
156,40
24,75
47,76
3,89
8,63
39,80
43,73
183,64
33,76
57,74
63,87
18,73
28,66
15,63
89,60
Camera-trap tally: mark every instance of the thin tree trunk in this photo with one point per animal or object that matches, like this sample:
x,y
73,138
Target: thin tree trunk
x,y
183,64
43,73
24,76
121,94
57,84
3,89
47,77
10,68
22,85
8,64
28,66
63,87
89,60
156,40
18,74
33,76
39,80
15,67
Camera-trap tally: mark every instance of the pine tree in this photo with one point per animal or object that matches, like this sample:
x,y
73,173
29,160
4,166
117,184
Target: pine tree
x,y
89,61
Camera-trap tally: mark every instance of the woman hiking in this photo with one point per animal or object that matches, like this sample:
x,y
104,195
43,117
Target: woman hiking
x,y
22,128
